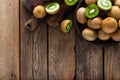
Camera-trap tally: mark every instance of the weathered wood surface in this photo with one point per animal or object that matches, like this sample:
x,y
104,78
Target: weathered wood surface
x,y
89,60
33,63
61,54
49,54
9,39
112,62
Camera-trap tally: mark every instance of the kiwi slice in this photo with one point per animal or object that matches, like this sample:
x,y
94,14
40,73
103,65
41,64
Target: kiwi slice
x,y
66,25
104,4
92,11
52,8
70,2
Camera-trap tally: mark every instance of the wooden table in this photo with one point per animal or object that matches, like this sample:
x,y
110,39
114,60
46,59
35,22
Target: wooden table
x,y
47,53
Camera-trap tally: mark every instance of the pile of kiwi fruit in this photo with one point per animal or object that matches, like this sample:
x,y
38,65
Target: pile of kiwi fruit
x,y
52,8
100,19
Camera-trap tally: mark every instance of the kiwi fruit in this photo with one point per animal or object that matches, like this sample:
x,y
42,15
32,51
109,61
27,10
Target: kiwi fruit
x,y
117,3
88,2
119,23
92,11
116,35
114,12
109,25
39,11
52,8
103,36
104,4
81,18
89,34
70,2
66,25
95,23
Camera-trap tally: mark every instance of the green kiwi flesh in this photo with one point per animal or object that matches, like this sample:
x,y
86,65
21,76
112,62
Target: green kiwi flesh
x,y
68,26
52,8
92,11
70,2
104,4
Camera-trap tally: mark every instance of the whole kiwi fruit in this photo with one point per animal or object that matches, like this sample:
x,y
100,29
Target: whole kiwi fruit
x,y
109,25
114,12
81,18
89,34
88,2
95,23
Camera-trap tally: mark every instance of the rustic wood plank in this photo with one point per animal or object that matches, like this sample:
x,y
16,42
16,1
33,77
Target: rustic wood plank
x,y
112,62
33,50
9,39
89,61
61,54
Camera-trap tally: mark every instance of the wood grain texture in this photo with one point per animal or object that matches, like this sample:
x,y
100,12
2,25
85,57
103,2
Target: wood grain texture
x,y
33,50
9,40
112,62
89,60
61,54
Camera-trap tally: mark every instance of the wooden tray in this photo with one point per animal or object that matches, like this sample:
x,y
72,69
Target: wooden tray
x,y
79,27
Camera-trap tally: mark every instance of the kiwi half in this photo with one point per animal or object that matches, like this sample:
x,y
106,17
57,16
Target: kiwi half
x,y
70,2
66,25
52,8
92,11
104,4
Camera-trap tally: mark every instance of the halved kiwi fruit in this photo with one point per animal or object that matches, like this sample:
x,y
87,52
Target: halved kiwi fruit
x,y
92,11
104,4
52,8
70,2
66,25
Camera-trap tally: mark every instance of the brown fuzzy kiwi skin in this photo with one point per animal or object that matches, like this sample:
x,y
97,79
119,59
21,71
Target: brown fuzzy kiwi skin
x,y
88,2
81,18
117,3
63,24
95,23
39,11
109,25
103,36
116,35
119,23
114,12
89,34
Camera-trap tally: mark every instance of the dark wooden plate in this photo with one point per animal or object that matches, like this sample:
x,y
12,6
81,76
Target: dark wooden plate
x,y
51,20
79,27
